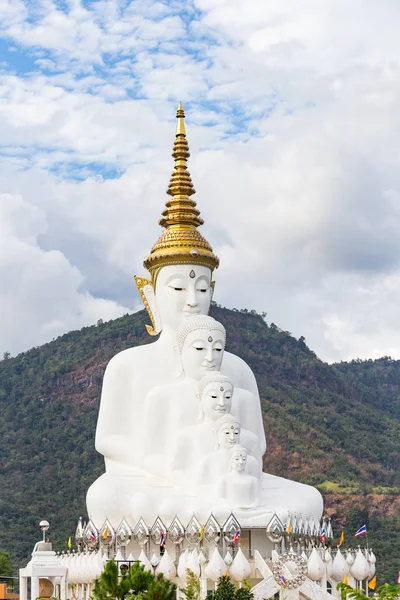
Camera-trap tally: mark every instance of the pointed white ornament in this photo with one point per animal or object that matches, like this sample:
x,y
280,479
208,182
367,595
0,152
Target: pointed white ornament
x,y
372,568
183,565
118,556
240,568
154,560
360,567
315,566
216,566
193,563
228,558
328,563
144,561
166,566
340,568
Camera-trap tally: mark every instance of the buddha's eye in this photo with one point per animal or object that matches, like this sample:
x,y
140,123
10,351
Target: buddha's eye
x,y
218,349
201,290
199,348
214,397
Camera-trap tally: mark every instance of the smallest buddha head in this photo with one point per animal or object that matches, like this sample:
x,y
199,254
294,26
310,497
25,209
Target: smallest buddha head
x,y
238,459
200,344
228,432
214,395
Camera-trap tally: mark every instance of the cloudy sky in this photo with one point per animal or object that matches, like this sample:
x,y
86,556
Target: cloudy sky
x,y
293,123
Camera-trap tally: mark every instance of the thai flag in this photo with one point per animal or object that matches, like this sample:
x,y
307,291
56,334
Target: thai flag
x,y
162,539
237,536
92,535
282,580
361,531
322,536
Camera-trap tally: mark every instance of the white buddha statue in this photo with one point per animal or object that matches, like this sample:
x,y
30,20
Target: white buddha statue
x,y
194,444
227,433
237,487
181,264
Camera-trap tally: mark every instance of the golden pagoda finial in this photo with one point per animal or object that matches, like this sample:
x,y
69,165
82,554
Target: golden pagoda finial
x,y
180,115
181,242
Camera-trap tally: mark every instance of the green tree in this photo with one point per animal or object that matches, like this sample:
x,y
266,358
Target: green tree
x,y
225,590
384,592
192,589
244,593
5,564
135,583
159,588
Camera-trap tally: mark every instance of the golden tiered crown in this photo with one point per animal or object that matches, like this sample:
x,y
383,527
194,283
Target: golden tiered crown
x,y
181,242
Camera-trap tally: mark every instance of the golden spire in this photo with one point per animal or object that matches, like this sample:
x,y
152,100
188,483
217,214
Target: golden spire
x,y
181,242
181,211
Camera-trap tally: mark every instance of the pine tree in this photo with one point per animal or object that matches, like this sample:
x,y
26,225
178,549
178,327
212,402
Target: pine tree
x,y
244,593
192,589
225,590
134,584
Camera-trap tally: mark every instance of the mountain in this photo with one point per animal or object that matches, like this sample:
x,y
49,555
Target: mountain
x,y
333,426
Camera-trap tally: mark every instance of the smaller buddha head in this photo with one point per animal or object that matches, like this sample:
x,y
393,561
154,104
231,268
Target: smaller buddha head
x,y
228,432
238,459
215,396
200,344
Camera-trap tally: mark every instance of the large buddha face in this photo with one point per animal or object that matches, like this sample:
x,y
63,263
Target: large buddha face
x,y
216,400
181,291
202,352
228,435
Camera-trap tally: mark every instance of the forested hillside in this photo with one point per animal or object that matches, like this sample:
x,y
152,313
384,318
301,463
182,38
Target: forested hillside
x,y
334,426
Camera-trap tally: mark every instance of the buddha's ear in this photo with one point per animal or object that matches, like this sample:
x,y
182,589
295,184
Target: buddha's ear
x,y
212,286
200,413
179,366
148,296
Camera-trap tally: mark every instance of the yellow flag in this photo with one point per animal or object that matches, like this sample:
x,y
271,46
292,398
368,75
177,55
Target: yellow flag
x,y
105,534
346,580
69,543
201,532
288,528
341,538
372,583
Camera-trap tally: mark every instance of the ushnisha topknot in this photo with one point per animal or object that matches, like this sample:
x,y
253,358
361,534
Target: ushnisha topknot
x,y
213,377
238,448
226,419
194,323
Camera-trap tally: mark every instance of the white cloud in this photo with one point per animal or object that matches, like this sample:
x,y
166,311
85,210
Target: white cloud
x,y
293,125
42,294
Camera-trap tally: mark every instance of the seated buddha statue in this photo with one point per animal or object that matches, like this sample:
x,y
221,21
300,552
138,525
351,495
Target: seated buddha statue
x,y
238,488
192,445
181,265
